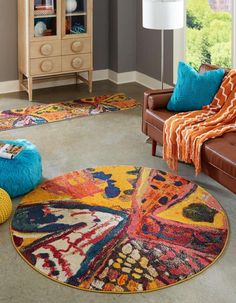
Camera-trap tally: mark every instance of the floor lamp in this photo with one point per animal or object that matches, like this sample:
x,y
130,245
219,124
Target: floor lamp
x,y
163,15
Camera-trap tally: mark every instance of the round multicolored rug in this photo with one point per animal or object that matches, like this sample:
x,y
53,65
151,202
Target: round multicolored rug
x,y
119,229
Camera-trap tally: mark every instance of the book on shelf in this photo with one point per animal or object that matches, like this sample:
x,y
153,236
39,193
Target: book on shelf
x,y
10,151
43,7
44,10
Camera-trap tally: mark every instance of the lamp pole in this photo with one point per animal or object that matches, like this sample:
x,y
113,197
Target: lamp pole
x,y
162,59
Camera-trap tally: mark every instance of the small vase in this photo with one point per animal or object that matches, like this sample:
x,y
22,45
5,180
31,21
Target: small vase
x,y
39,29
71,6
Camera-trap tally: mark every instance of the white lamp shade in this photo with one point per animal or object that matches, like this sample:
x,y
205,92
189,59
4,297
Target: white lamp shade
x,y
163,14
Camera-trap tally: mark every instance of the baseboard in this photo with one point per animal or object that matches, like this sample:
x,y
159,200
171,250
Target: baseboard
x,y
149,81
134,76
98,75
9,87
121,78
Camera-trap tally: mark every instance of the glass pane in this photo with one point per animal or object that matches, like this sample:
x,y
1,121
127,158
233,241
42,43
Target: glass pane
x,y
209,32
76,17
45,18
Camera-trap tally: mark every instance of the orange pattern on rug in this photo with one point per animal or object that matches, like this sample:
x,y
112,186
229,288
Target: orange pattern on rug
x,y
47,113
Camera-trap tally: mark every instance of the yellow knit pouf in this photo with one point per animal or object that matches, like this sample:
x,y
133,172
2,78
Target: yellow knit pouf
x,y
5,206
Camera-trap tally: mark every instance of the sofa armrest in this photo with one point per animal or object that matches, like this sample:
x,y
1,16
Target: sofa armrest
x,y
155,99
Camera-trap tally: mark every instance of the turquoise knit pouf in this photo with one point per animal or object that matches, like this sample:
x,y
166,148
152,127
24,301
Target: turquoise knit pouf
x,y
22,174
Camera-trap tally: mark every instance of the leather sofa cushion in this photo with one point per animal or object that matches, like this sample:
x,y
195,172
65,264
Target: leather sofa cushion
x,y
156,102
219,152
157,118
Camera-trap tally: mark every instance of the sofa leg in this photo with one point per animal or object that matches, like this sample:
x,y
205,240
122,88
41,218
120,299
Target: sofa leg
x,y
154,148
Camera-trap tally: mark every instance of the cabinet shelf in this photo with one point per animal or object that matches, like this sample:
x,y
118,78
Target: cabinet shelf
x,y
76,14
44,16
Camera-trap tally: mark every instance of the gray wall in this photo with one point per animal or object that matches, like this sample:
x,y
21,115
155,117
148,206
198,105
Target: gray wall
x,y
101,34
8,40
149,50
113,35
120,42
122,35
134,48
126,35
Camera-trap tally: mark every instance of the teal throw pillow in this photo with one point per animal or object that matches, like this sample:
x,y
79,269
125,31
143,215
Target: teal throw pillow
x,y
194,90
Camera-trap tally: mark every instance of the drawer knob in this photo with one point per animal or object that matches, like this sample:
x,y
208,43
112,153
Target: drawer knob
x,y
46,49
77,46
46,66
77,62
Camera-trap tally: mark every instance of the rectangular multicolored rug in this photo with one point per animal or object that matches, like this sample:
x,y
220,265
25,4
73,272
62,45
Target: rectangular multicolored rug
x,y
47,113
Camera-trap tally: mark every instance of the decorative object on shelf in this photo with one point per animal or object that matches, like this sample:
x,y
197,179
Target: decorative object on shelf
x,y
71,6
41,114
163,15
78,28
68,25
5,206
48,32
120,229
40,29
24,172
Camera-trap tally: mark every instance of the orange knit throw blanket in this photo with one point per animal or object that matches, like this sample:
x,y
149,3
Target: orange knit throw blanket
x,y
185,133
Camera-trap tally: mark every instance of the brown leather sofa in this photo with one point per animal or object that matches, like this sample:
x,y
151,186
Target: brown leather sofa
x,y
218,155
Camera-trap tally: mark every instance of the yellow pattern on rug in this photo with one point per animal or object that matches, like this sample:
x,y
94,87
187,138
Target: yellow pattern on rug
x,y
48,113
119,229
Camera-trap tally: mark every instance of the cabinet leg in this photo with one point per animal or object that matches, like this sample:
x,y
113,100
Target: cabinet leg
x,y
30,88
90,80
76,79
20,81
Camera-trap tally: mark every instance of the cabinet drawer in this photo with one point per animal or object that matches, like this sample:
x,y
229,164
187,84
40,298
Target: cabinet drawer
x,y
76,46
45,66
76,63
45,49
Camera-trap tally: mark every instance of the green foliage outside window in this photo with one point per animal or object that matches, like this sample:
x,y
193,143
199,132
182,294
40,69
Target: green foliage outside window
x,y
208,35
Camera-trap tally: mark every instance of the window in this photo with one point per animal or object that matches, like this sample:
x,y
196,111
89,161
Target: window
x,y
210,34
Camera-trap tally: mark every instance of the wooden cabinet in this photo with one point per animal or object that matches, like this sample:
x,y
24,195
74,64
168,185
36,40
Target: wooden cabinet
x,y
54,40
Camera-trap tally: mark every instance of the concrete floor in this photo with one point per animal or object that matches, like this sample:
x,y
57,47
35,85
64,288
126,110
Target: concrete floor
x,y
112,138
